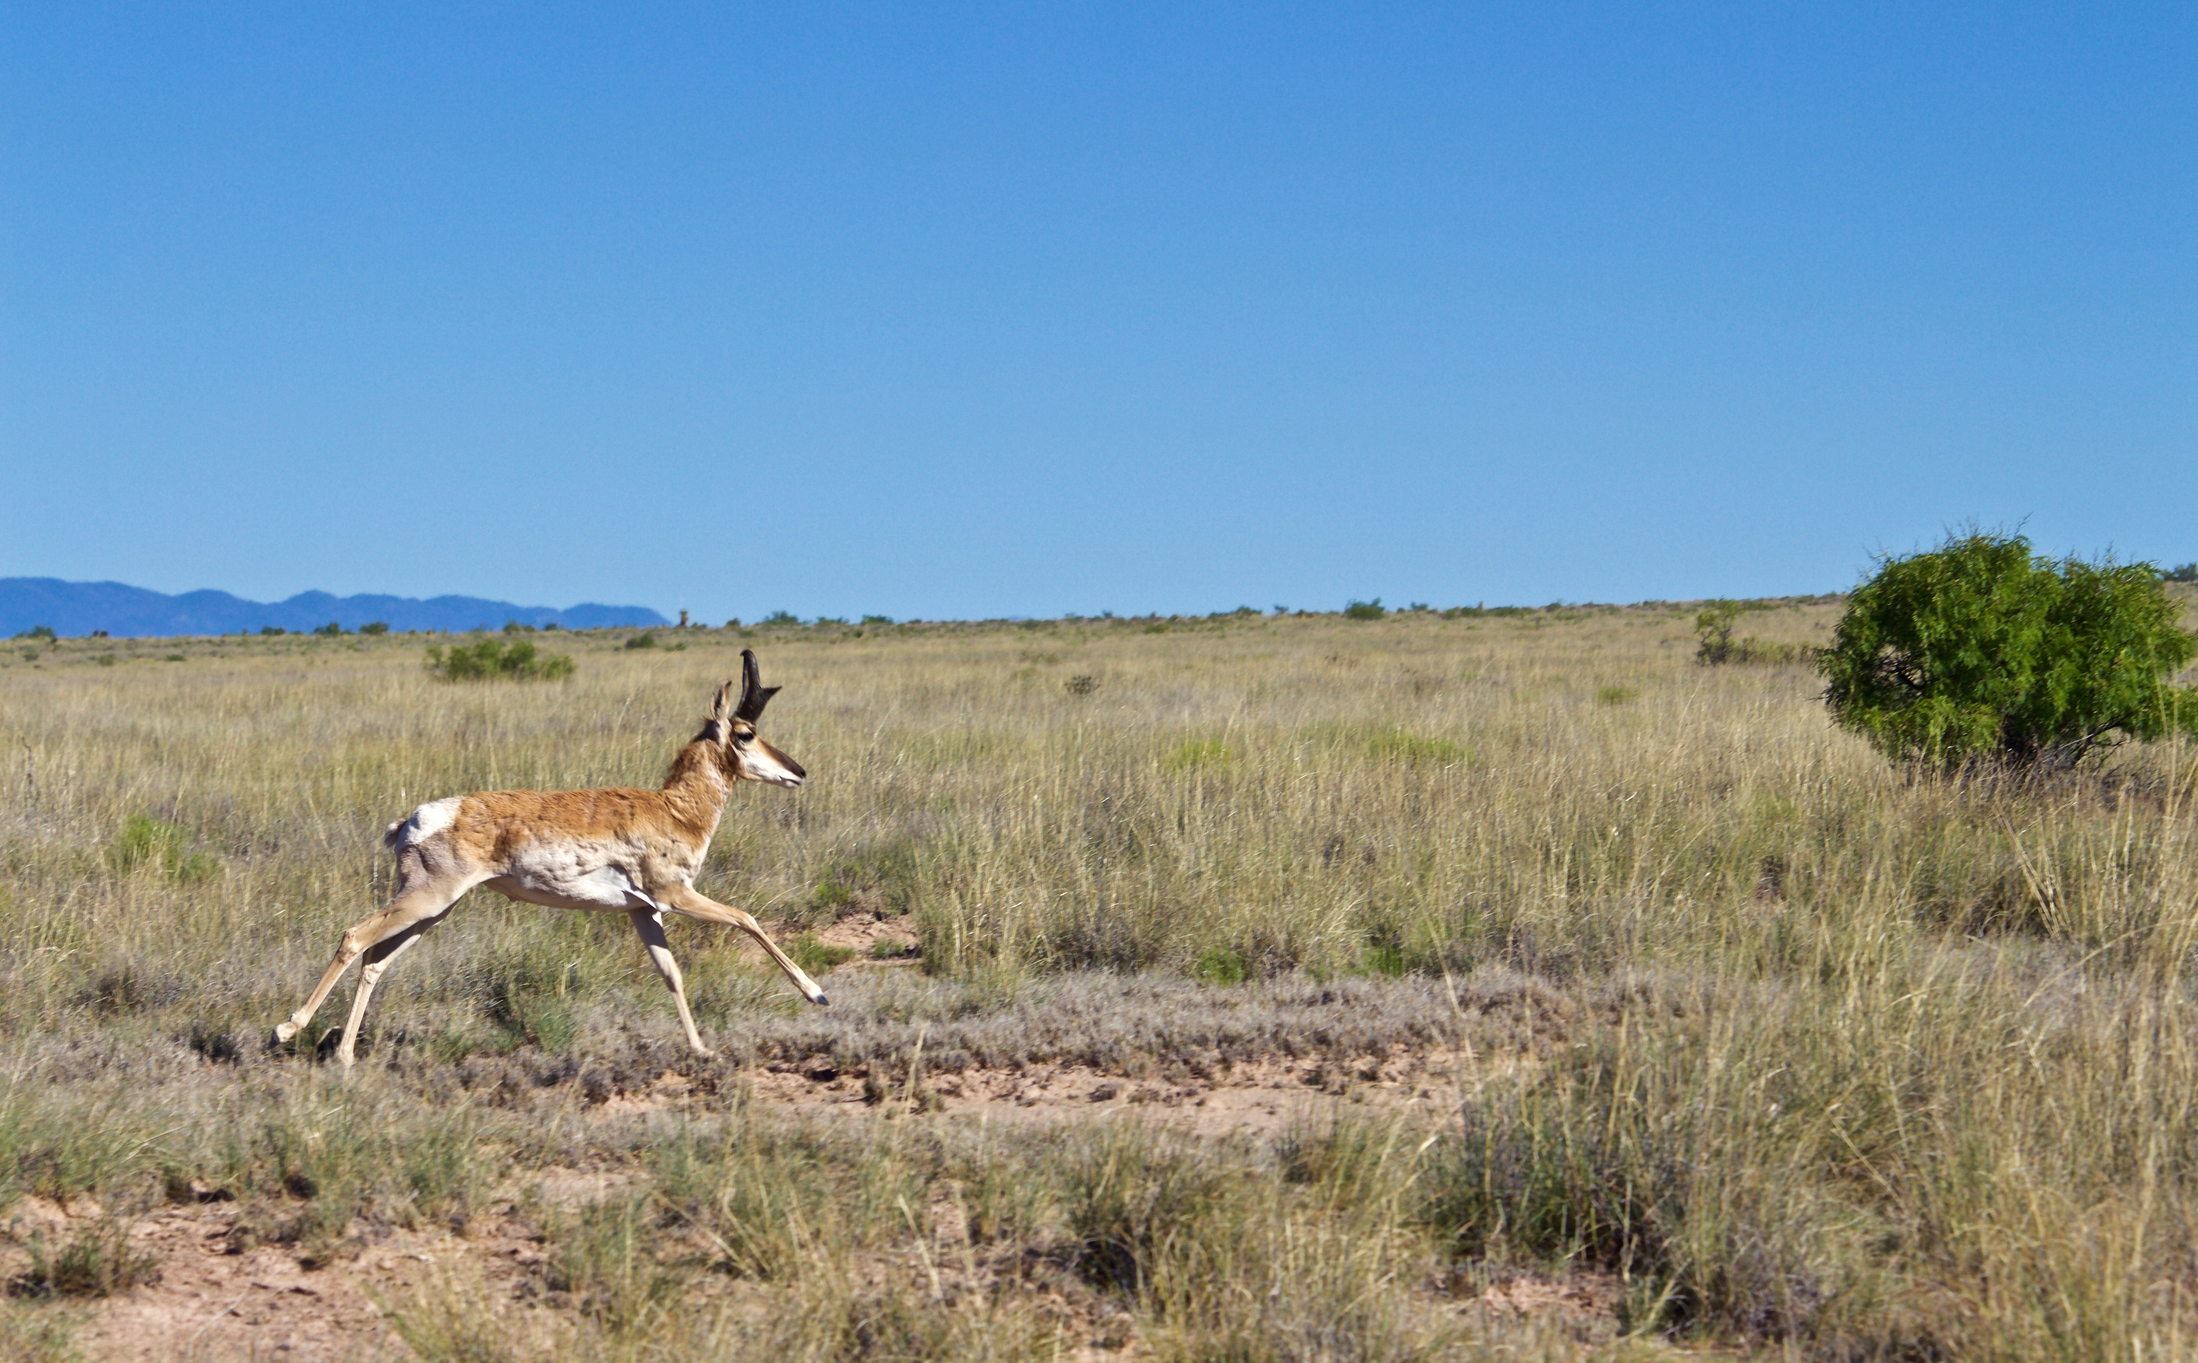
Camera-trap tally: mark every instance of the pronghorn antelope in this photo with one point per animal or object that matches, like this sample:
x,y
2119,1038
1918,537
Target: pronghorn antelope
x,y
632,851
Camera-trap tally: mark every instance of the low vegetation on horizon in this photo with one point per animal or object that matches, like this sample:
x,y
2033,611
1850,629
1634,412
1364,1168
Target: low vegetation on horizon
x,y
1621,999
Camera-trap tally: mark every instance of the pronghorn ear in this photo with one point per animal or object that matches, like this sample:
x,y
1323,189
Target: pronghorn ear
x,y
753,693
721,709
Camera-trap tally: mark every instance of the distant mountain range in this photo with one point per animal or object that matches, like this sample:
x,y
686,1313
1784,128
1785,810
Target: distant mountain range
x,y
72,608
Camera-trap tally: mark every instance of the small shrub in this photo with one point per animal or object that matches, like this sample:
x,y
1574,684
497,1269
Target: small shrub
x,y
105,660
1716,645
877,619
780,619
1713,631
643,640
1082,684
489,660
330,630
1613,695
1364,610
1220,966
99,1262
514,627
174,658
39,632
1979,651
376,627
2182,572
271,631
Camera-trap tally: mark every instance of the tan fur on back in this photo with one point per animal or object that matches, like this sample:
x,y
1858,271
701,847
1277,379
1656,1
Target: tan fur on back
x,y
495,823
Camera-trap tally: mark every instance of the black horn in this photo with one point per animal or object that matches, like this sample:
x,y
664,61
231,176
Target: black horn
x,y
754,695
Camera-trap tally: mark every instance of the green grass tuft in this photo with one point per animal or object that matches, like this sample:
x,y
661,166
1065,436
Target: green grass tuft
x,y
150,843
1396,745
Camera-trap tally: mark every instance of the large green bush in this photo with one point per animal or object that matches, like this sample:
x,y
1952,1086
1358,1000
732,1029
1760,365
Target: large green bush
x,y
1980,652
488,660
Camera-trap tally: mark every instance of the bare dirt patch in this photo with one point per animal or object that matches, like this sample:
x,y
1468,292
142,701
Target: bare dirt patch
x,y
861,932
1246,1099
211,1301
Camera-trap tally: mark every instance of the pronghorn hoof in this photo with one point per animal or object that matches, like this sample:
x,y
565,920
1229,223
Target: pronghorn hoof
x,y
821,1001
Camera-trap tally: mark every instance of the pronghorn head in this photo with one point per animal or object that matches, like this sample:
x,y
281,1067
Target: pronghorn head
x,y
733,726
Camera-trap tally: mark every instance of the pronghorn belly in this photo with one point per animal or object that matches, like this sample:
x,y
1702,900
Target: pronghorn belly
x,y
547,898
604,887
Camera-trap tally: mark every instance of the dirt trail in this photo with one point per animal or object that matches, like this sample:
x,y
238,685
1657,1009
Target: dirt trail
x,y
1249,1099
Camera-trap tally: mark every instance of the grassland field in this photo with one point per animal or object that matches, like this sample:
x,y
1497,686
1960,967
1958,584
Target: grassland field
x,y
1261,988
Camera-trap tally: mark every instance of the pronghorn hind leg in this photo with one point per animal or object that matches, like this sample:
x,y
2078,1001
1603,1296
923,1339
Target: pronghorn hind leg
x,y
426,901
650,924
379,957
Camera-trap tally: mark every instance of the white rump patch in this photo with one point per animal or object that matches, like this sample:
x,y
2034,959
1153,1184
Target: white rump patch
x,y
428,820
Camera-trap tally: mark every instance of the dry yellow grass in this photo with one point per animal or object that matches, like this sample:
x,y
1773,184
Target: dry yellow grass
x,y
1851,1061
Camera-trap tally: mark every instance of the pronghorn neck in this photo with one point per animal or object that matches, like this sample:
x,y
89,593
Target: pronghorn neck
x,y
697,785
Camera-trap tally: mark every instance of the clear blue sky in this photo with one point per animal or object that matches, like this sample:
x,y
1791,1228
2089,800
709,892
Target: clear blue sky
x,y
1019,310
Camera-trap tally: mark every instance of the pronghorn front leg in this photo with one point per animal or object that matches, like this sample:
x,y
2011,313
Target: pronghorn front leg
x,y
650,924
693,903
